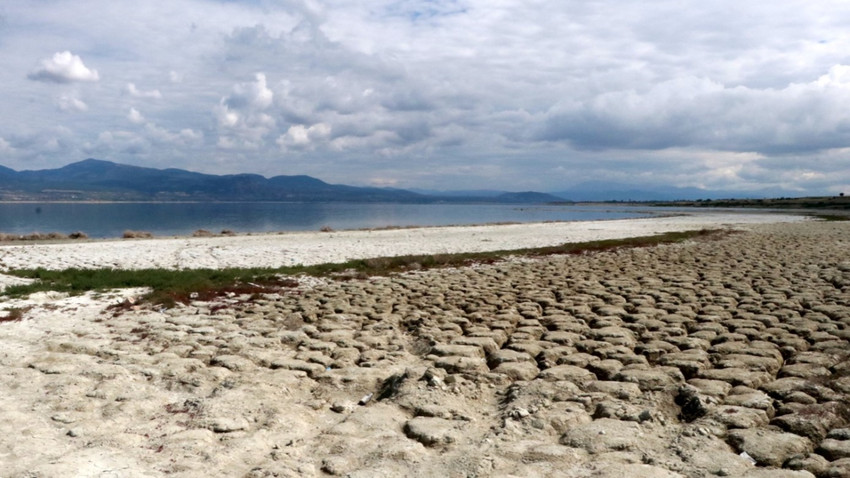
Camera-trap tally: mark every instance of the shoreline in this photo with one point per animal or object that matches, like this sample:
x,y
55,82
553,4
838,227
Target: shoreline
x,y
315,247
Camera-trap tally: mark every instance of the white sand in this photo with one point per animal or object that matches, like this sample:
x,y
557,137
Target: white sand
x,y
286,249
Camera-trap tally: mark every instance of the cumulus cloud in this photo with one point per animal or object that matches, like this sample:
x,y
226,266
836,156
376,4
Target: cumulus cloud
x,y
135,117
69,102
301,137
241,116
63,67
137,93
699,112
5,147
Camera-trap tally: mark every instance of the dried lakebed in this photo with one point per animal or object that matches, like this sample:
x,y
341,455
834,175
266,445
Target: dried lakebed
x,y
709,358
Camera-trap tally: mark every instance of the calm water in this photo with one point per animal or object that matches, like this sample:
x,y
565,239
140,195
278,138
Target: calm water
x,y
166,219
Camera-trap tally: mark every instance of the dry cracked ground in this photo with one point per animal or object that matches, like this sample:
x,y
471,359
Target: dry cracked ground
x,y
713,358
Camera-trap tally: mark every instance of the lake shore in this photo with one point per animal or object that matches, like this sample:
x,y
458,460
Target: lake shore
x,y
724,357
308,248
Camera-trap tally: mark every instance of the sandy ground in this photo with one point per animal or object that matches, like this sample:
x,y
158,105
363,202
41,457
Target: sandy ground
x,y
709,358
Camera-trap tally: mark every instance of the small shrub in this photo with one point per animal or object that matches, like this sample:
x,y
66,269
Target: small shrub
x,y
228,232
136,235
56,236
202,233
78,235
326,229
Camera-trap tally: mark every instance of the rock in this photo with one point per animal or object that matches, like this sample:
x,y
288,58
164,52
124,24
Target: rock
x,y
754,399
651,379
227,424
621,390
773,473
518,370
604,435
570,373
635,470
235,363
486,344
768,447
834,449
457,350
813,421
813,463
312,369
737,376
460,364
431,431
506,356
714,388
740,417
839,468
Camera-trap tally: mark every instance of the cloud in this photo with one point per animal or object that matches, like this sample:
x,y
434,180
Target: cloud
x,y
135,117
301,137
701,113
69,102
241,116
5,147
63,67
136,93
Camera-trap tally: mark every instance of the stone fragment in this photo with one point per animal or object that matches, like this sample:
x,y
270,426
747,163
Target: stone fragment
x,y
740,417
769,447
813,421
651,379
621,390
570,373
431,431
518,370
812,462
235,363
459,364
737,376
839,468
635,470
604,435
460,350
834,449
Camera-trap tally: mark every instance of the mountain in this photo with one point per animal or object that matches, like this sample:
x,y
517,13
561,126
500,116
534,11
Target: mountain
x,y
94,179
603,191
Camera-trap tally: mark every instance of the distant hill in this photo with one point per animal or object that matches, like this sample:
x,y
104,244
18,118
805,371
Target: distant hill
x,y
94,179
604,191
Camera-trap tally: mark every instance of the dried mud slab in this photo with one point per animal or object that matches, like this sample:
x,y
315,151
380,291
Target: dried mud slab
x,y
715,358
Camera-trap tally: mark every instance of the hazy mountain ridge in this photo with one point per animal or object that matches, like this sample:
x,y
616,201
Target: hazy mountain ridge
x,y
94,179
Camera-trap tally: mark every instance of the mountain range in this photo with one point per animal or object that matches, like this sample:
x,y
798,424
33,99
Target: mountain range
x,y
98,180
94,179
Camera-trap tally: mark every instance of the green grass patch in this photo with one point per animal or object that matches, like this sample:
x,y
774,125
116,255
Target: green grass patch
x,y
171,286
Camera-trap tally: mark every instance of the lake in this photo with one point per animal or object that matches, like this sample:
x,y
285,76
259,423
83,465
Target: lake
x,y
101,220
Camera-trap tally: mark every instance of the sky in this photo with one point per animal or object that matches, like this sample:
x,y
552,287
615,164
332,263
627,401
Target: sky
x,y
437,94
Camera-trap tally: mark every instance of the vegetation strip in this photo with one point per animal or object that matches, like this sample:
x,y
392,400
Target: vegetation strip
x,y
171,286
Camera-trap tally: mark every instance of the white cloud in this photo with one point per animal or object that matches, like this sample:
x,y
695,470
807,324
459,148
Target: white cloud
x,y
69,102
5,147
135,117
301,137
136,93
241,116
64,67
